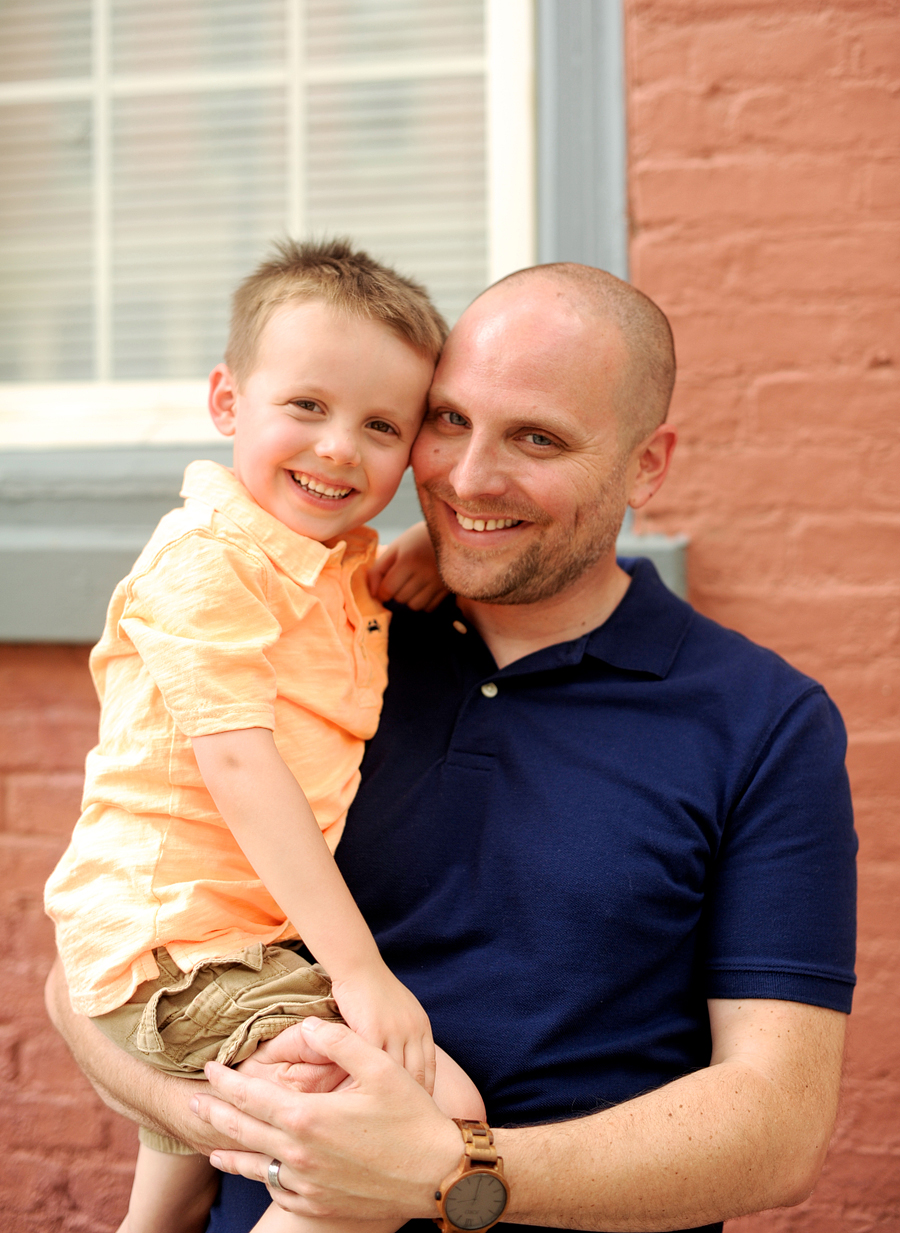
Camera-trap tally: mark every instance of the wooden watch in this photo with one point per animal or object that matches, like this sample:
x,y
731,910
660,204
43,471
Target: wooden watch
x,y
474,1196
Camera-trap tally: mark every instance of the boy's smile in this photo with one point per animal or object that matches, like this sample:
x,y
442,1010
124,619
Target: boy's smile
x,y
324,423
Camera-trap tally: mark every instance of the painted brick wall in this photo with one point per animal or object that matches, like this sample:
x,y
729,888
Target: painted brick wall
x,y
764,197
765,203
66,1160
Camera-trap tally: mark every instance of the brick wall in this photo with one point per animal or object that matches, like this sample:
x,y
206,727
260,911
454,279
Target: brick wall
x,y
66,1160
764,188
764,191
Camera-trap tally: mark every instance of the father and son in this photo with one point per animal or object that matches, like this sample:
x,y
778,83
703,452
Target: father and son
x,y
595,846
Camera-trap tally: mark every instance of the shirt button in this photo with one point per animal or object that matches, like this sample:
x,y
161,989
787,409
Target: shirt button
x,y
489,689
459,627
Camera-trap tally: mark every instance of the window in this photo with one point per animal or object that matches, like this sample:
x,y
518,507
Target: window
x,y
150,150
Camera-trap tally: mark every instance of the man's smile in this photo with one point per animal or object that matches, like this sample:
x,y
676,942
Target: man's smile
x,y
486,524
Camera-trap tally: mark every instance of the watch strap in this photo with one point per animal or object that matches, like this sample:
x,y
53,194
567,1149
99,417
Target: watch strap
x,y
478,1141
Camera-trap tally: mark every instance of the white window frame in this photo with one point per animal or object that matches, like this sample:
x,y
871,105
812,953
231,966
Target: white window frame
x,y
134,412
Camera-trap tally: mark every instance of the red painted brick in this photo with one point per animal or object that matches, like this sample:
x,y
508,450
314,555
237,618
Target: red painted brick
x,y
856,552
879,904
678,122
881,189
53,740
747,52
27,863
52,1122
876,825
31,1184
866,262
874,765
107,1191
39,675
45,803
854,407
46,1065
717,193
731,338
876,49
657,54
855,116
796,623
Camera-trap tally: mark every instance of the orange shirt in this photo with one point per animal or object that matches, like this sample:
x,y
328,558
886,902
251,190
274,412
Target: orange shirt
x,y
228,620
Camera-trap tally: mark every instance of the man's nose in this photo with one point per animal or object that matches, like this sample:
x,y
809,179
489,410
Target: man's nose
x,y
338,445
478,471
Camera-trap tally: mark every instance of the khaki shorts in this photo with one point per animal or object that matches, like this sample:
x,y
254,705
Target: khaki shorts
x,y
219,1011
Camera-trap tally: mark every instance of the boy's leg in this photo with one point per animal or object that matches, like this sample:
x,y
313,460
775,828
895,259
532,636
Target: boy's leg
x,y
454,1092
170,1194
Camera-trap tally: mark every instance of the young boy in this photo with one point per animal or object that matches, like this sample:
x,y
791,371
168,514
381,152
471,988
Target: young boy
x,y
240,672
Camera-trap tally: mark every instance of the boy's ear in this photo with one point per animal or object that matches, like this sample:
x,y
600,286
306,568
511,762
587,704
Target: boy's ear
x,y
222,398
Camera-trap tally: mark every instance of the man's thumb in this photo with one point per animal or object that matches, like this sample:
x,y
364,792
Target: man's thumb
x,y
339,1044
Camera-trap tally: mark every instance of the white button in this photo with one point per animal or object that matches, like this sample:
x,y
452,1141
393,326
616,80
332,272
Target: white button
x,y
489,689
459,627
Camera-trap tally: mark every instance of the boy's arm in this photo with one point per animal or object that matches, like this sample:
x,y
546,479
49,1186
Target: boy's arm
x,y
266,811
406,570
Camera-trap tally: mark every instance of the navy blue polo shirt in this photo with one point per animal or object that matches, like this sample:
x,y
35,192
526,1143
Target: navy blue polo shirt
x,y
565,858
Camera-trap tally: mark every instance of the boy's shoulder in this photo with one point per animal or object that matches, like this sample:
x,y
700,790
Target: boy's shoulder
x,y
192,531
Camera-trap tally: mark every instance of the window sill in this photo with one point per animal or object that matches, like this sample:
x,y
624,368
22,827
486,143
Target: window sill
x,y
73,521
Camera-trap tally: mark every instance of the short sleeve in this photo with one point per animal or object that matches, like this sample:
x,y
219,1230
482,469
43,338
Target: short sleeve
x,y
781,917
198,618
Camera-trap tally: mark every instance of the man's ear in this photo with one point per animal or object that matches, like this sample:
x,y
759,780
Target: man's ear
x,y
222,399
649,464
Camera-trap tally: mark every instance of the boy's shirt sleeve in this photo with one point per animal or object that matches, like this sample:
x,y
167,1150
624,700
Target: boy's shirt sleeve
x,y
198,618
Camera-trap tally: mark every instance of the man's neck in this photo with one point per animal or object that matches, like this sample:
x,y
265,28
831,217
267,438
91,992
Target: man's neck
x,y
512,631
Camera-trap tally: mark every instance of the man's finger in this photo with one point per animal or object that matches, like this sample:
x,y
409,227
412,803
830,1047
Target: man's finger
x,y
337,1042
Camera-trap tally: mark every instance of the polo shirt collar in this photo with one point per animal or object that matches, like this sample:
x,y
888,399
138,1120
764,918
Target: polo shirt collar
x,y
643,634
298,556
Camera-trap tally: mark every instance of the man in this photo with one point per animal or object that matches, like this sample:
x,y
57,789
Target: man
x,y
606,843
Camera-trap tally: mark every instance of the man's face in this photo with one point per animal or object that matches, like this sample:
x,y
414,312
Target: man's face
x,y
519,464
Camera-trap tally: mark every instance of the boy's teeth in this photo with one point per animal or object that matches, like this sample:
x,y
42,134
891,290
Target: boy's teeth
x,y
486,524
321,490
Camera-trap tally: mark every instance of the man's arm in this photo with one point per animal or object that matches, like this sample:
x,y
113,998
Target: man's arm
x,y
140,1092
745,1134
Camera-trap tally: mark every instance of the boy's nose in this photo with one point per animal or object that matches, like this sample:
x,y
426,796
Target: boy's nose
x,y
339,447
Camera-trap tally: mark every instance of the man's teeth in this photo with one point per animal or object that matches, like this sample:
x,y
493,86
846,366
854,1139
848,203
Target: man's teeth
x,y
321,490
486,524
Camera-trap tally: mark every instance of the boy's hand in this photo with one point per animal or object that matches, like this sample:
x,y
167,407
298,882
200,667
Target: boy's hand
x,y
384,1012
407,571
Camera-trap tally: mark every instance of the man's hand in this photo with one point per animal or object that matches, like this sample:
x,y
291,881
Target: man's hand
x,y
290,1060
746,1133
374,1149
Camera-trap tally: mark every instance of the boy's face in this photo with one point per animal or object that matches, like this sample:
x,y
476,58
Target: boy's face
x,y
324,424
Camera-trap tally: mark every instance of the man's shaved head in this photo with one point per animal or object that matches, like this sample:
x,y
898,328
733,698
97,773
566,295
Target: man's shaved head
x,y
645,389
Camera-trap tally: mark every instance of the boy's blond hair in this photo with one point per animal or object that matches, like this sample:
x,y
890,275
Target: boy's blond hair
x,y
348,279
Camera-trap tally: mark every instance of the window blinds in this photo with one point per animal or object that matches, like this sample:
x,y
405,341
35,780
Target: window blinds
x,y
151,150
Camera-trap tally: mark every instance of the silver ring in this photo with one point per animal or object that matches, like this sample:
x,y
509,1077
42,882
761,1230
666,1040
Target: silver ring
x,y
274,1179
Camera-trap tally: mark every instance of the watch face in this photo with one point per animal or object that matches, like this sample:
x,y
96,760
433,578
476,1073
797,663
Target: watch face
x,y
475,1201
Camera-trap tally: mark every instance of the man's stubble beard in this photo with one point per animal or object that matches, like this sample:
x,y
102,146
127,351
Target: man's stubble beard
x,y
545,568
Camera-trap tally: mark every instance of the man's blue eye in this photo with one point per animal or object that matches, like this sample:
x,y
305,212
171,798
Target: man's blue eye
x,y
454,417
537,438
